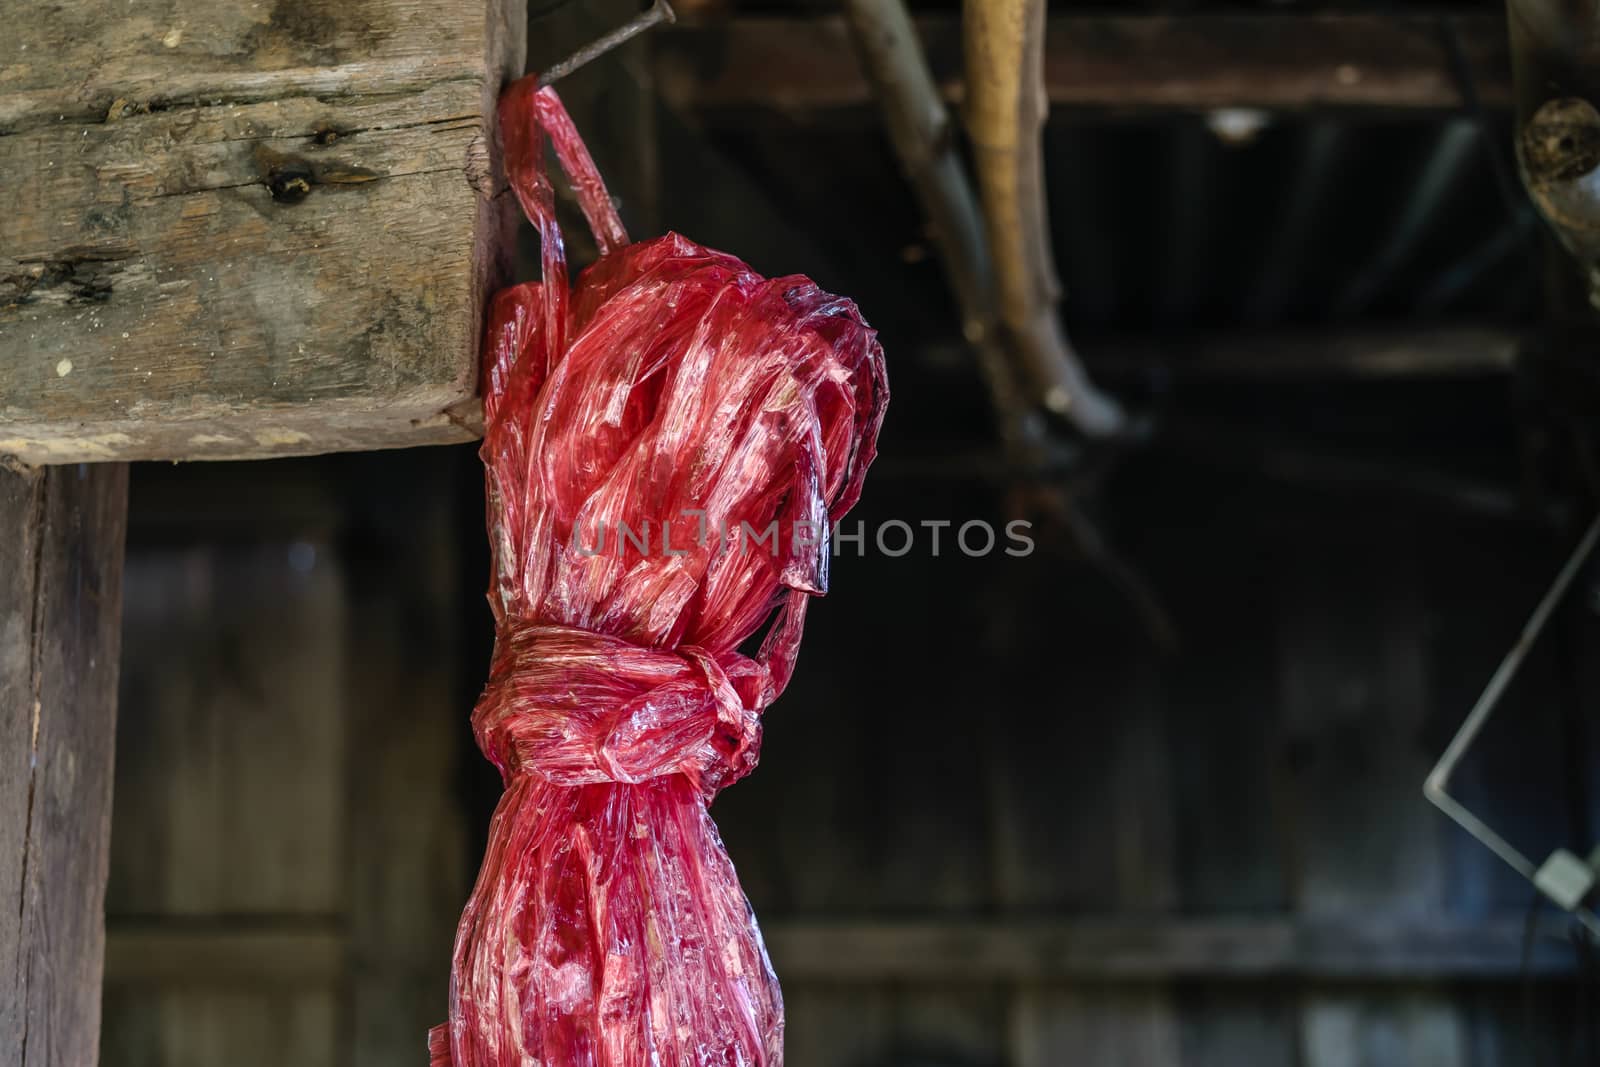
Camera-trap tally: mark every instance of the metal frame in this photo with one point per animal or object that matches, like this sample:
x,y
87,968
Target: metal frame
x,y
1436,786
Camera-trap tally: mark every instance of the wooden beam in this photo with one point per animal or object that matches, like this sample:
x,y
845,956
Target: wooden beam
x,y
61,544
227,955
1286,62
1367,352
1438,351
1115,949
1161,949
237,231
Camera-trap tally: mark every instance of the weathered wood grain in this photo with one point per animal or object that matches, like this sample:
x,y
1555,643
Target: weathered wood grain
x,y
61,543
247,230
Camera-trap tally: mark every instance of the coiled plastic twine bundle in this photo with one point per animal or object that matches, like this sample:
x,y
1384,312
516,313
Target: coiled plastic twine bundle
x,y
645,430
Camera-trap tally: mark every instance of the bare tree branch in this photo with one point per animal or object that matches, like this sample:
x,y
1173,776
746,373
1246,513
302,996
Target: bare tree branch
x,y
1006,110
924,140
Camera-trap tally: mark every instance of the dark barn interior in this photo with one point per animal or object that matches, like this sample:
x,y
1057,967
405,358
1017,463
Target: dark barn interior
x,y
1148,796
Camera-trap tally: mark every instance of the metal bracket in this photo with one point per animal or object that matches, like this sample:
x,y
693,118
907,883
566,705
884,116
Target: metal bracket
x,y
1563,877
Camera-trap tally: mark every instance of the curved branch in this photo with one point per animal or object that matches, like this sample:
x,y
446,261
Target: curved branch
x,y
920,129
1006,110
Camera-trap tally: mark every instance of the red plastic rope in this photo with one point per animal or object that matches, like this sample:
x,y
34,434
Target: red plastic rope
x,y
666,445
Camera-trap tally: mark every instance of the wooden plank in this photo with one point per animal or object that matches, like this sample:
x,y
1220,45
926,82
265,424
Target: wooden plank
x,y
1364,843
1106,950
927,845
233,736
61,550
132,1027
1115,949
210,1027
247,231
1221,689
275,1025
883,832
405,707
1092,1027
827,1026
1360,1029
1080,814
1221,695
818,844
1512,1026
948,1024
1281,62
283,1027
1080,801
231,762
1355,701
224,954
312,730
1227,1025
1362,353
1368,352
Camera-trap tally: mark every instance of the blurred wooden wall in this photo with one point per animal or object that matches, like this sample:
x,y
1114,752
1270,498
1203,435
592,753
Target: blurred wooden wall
x,y
289,855
993,825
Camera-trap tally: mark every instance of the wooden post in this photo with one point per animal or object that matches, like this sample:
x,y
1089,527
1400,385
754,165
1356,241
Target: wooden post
x,y
61,542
